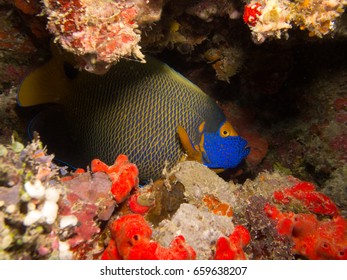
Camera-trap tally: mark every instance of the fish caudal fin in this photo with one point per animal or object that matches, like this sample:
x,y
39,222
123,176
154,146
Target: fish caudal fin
x,y
47,84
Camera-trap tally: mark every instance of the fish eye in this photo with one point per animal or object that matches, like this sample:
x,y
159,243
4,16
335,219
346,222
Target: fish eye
x,y
225,133
227,130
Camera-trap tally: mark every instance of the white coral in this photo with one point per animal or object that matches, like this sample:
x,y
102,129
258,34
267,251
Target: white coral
x,y
35,190
49,211
32,217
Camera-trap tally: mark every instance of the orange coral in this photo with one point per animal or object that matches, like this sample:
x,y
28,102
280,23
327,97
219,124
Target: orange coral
x,y
314,239
306,194
135,206
131,239
251,13
216,206
231,248
123,174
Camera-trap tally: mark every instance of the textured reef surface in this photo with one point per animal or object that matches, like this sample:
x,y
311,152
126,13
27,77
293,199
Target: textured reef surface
x,y
277,68
102,213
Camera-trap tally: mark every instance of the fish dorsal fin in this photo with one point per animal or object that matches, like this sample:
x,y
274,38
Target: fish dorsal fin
x,y
178,77
47,84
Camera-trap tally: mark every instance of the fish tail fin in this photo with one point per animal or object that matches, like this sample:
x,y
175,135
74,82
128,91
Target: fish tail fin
x,y
47,84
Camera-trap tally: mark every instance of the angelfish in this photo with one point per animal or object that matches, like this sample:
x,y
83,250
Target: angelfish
x,y
141,110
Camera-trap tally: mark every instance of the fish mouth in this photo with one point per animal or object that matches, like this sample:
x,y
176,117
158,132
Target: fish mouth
x,y
247,149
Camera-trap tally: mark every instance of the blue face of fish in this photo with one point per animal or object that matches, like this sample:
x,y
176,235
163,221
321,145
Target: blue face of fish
x,y
223,148
223,152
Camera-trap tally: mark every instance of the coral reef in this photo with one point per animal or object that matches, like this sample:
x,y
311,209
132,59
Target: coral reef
x,y
11,121
231,248
199,181
273,18
163,197
207,10
313,238
131,240
336,189
29,202
188,220
123,175
102,32
252,196
309,144
306,194
139,203
46,214
216,206
226,61
266,242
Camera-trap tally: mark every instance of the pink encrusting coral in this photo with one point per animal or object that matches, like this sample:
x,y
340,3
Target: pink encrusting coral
x,y
131,240
100,32
87,198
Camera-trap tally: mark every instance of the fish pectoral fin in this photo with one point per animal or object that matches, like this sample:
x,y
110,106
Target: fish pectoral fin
x,y
202,127
218,170
192,152
205,158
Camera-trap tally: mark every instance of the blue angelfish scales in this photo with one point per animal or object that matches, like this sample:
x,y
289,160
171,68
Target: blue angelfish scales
x,y
135,109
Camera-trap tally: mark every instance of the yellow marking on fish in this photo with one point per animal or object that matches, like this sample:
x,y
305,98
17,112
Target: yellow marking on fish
x,y
201,145
218,170
192,152
201,127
